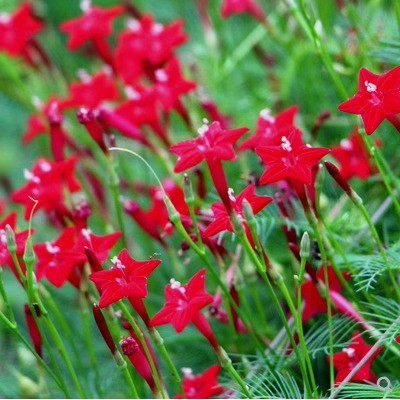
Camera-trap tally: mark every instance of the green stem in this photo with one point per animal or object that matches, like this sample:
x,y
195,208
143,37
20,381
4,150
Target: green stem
x,y
226,363
114,185
13,327
261,269
5,298
140,336
159,341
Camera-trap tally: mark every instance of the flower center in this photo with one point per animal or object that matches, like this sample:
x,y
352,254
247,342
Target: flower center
x,y
117,263
286,145
350,352
52,249
370,86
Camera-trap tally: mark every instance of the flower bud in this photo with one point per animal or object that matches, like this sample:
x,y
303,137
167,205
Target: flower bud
x,y
305,246
129,346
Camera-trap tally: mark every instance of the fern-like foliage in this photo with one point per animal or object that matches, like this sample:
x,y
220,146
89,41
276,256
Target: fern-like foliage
x,y
388,51
362,391
382,315
266,383
370,267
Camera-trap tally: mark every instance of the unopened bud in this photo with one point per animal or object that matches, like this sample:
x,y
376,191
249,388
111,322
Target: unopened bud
x,y
172,212
11,242
305,246
248,212
129,346
187,189
29,255
237,225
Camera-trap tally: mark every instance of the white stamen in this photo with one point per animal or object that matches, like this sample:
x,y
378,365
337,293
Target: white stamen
x,y
52,249
265,114
45,166
83,76
86,234
187,372
346,144
161,75
286,145
157,28
31,177
5,18
133,25
117,262
204,128
370,86
175,284
37,102
131,93
350,352
85,5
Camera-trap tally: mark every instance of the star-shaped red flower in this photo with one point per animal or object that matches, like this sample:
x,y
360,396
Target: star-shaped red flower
x,y
127,278
96,22
155,220
55,260
92,91
17,29
222,220
170,84
204,386
145,46
378,98
353,157
183,302
213,143
46,183
270,129
252,7
291,160
345,361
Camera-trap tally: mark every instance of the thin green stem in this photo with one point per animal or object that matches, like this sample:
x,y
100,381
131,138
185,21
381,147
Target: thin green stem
x,y
114,185
261,269
13,327
159,341
3,293
140,336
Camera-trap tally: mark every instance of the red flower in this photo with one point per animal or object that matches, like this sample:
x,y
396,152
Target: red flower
x,y
202,386
155,220
92,91
127,278
95,23
145,46
17,29
141,109
213,143
345,361
241,6
55,260
292,159
270,129
314,303
61,260
46,183
378,98
170,84
222,220
353,157
183,302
